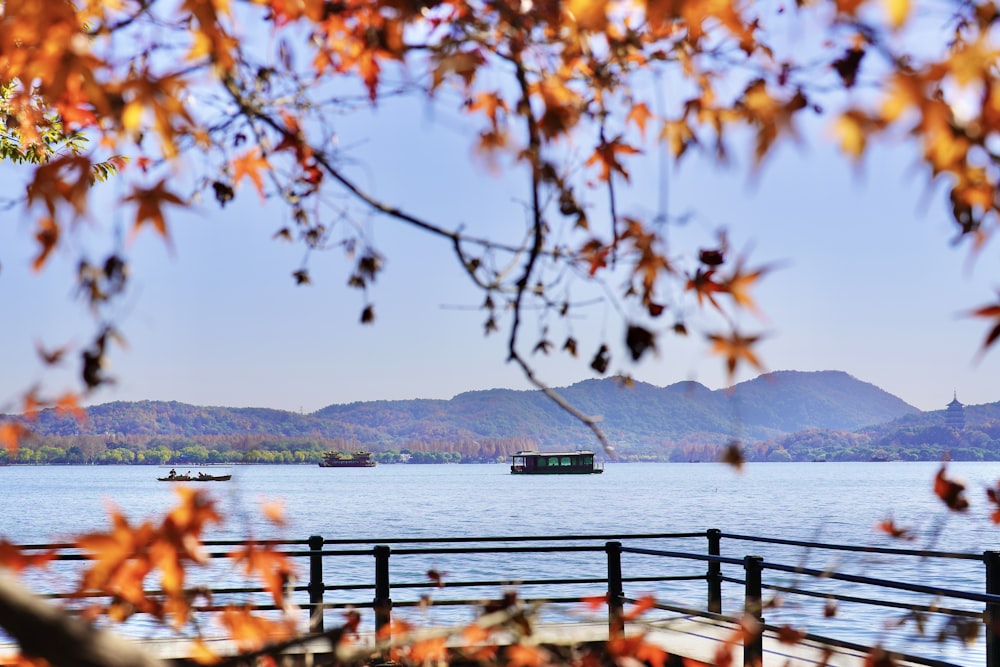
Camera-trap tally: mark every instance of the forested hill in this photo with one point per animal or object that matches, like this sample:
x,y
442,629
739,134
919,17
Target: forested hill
x,y
644,416
923,436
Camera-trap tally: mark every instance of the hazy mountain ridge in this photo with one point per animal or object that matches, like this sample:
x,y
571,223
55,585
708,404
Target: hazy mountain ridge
x,y
921,436
643,415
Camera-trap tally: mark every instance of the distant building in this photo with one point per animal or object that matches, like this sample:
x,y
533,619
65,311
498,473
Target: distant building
x,y
954,416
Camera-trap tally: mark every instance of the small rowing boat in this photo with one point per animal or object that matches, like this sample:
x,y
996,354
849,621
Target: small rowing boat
x,y
200,477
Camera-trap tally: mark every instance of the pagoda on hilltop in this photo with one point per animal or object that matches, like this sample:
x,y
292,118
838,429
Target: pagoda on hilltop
x,y
954,416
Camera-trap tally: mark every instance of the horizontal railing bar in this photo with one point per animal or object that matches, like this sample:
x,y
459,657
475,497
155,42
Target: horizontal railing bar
x,y
302,554
66,546
497,582
417,540
859,549
880,603
349,587
497,550
479,601
884,583
707,558
517,538
438,603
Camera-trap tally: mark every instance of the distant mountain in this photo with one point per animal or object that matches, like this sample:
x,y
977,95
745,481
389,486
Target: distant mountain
x,y
641,416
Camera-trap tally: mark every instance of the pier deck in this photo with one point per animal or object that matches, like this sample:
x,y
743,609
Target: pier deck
x,y
694,638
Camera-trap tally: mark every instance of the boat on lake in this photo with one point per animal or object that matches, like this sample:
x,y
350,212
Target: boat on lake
x,y
200,477
338,459
531,462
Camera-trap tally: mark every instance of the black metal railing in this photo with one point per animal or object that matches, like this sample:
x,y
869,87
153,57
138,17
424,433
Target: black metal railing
x,y
649,564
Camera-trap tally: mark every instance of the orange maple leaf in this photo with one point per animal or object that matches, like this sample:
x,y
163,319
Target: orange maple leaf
x,y
149,202
274,568
607,154
736,348
13,558
639,115
889,527
739,284
253,632
641,606
47,236
69,404
429,650
490,104
705,286
11,434
520,655
950,492
250,165
595,254
274,511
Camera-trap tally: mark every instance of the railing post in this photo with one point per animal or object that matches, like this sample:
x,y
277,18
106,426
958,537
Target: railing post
x,y
714,574
382,602
991,617
616,596
753,646
316,585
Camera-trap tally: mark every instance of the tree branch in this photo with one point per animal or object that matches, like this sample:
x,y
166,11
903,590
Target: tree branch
x,y
45,631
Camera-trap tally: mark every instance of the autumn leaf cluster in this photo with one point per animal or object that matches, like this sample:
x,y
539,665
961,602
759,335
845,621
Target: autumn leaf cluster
x,y
200,101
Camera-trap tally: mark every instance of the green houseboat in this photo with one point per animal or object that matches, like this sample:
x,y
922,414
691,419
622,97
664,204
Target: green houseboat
x,y
579,462
338,459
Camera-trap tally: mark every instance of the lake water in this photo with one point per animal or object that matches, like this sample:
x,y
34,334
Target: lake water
x,y
828,502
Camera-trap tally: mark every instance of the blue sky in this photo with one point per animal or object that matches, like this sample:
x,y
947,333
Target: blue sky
x,y
867,283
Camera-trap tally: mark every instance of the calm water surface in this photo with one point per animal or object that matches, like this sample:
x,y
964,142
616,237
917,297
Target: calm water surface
x,y
828,502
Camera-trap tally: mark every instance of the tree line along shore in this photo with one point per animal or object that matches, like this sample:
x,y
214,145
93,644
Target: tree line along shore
x,y
979,442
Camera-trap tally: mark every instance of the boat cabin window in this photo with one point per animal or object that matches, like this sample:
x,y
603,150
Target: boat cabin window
x,y
565,461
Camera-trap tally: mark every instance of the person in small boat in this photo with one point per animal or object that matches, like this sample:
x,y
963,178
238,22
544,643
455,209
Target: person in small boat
x,y
202,475
173,473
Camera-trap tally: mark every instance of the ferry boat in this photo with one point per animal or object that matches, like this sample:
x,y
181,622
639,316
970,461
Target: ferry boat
x,y
338,459
579,462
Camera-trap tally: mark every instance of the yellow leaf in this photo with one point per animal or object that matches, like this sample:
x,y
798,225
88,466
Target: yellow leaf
x,y
678,135
898,11
201,46
201,653
132,116
851,134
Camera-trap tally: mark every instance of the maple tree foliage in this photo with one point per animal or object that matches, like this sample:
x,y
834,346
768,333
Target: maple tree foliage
x,y
193,103
197,102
